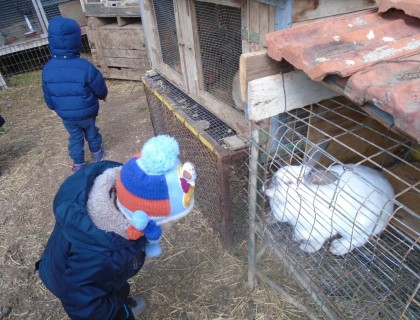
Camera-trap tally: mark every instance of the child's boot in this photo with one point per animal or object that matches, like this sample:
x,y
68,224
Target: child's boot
x,y
99,155
137,304
77,167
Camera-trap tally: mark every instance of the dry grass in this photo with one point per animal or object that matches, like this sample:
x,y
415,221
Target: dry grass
x,y
195,278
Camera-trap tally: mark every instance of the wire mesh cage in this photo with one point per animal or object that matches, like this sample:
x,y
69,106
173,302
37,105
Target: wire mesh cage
x,y
333,198
220,43
197,45
221,170
166,28
23,34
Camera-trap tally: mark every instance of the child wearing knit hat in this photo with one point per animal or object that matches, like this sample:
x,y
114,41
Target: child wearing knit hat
x,y
109,218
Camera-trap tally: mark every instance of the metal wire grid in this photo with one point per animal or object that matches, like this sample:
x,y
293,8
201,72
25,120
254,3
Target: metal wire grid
x,y
379,280
206,121
23,40
219,35
166,27
18,22
222,178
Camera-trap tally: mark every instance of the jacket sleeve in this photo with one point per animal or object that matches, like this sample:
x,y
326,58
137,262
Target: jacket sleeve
x,y
96,82
47,95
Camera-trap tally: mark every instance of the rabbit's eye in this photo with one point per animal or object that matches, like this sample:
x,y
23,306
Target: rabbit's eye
x,y
288,182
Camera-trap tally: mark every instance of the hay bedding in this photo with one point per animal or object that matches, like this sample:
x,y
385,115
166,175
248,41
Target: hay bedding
x,y
195,278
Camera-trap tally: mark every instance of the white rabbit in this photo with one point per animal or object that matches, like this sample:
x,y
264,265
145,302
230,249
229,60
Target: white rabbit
x,y
352,201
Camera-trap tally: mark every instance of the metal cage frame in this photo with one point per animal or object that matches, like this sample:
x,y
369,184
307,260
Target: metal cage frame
x,y
379,280
204,140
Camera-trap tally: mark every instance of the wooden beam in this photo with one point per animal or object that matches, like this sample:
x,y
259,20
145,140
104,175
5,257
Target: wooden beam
x,y
279,93
255,65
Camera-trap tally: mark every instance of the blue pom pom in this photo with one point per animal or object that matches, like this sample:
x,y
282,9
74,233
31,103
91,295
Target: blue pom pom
x,y
159,155
140,220
152,231
153,250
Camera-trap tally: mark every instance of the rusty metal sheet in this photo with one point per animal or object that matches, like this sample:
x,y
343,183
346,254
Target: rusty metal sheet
x,y
393,87
410,7
364,51
345,45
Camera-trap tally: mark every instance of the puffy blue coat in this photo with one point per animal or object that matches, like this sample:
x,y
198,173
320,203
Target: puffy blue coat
x,y
71,85
85,267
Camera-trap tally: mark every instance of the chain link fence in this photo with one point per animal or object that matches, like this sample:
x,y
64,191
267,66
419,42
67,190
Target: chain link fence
x,y
23,33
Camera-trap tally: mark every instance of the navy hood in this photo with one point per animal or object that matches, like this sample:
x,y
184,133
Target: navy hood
x,y
65,37
72,216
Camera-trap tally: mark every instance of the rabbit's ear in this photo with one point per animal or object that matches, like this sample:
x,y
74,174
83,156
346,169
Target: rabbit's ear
x,y
321,177
315,153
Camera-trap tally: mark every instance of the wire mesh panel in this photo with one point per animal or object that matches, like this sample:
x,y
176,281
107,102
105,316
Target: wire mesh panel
x,y
334,207
23,35
219,35
222,173
166,27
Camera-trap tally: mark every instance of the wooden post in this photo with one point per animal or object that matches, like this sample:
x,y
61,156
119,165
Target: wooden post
x,y
2,82
252,208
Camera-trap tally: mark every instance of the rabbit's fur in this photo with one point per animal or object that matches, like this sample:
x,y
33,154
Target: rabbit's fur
x,y
352,201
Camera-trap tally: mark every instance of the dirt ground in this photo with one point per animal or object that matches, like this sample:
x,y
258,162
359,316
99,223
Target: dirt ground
x,y
194,278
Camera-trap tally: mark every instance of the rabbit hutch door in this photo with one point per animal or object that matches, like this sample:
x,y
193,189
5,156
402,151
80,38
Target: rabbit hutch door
x,y
196,45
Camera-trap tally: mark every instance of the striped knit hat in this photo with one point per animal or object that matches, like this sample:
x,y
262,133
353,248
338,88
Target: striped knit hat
x,y
154,185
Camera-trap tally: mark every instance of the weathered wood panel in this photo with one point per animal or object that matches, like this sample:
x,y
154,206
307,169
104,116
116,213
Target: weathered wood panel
x,y
127,37
304,10
124,53
119,51
279,93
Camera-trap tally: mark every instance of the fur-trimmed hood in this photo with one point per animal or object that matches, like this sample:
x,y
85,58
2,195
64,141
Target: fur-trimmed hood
x,y
102,207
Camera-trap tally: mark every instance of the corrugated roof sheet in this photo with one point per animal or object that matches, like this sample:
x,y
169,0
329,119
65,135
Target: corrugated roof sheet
x,y
410,7
363,50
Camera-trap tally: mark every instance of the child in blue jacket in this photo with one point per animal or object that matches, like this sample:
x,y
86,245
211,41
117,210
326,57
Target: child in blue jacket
x,y
72,88
108,220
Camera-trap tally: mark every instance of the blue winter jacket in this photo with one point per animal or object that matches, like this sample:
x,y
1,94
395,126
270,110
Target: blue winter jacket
x,y
85,267
71,85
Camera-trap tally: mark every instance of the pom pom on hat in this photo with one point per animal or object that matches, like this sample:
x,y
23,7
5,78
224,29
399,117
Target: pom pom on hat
x,y
159,155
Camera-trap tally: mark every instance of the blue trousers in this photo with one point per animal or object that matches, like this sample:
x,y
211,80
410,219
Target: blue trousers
x,y
79,130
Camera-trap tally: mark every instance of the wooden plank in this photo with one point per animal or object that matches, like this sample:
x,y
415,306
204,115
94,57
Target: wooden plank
x,y
127,63
230,3
122,38
316,9
98,10
124,53
150,32
244,24
264,27
73,9
279,93
123,74
93,24
190,49
224,112
254,26
2,82
121,21
255,65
